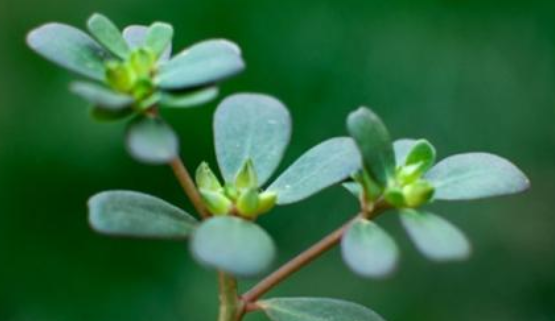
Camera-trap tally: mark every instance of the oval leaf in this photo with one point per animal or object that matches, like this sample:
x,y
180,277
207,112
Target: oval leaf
x,y
368,250
135,36
316,309
152,141
101,96
322,166
202,64
435,237
233,245
127,213
422,154
402,147
372,138
159,37
251,126
474,176
108,34
70,48
188,99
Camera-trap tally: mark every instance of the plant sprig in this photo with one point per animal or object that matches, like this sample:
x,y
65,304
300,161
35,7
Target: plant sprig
x,y
134,75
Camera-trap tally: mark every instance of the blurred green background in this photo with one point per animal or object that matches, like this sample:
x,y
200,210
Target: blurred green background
x,y
467,75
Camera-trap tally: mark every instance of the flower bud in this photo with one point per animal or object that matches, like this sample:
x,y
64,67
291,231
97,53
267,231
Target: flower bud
x,y
142,62
248,202
266,201
120,76
418,193
216,202
246,177
206,179
394,196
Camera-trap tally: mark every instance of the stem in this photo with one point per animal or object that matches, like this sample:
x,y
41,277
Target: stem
x,y
230,304
296,264
188,186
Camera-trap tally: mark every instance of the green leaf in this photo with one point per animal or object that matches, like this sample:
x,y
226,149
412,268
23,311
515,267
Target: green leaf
x,y
475,175
188,99
326,164
127,213
108,34
368,250
373,140
435,237
251,126
159,37
152,141
354,188
70,48
202,64
101,96
422,154
109,115
135,36
402,147
233,245
316,309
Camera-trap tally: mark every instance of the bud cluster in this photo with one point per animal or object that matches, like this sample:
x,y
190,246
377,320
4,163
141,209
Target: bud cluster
x,y
241,197
134,75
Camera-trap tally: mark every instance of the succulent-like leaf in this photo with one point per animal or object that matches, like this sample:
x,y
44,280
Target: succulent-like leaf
x,y
202,64
401,148
135,36
475,175
108,34
127,213
435,237
233,245
316,309
251,126
159,37
422,154
374,142
70,48
188,99
109,115
368,250
152,141
325,164
101,96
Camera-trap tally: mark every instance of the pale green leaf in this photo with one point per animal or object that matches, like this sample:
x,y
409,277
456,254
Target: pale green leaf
x,y
70,48
188,99
402,147
101,96
326,164
233,245
369,250
251,126
108,34
159,37
152,141
127,213
474,176
374,142
135,36
202,64
316,309
435,237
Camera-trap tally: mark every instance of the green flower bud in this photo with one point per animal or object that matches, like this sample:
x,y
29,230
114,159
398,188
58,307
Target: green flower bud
x,y
120,76
206,179
246,177
142,61
266,201
248,202
418,193
231,192
216,202
409,173
394,196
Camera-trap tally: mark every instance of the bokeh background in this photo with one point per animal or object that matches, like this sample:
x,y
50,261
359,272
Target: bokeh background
x,y
467,75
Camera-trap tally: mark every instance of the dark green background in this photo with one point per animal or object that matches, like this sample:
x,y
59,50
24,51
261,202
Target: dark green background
x,y
467,75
